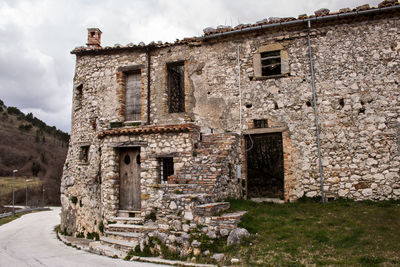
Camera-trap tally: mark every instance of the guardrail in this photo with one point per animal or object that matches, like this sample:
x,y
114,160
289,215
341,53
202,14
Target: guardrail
x,y
3,215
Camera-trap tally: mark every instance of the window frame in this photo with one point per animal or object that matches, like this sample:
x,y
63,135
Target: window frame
x,y
258,64
260,123
182,95
126,75
162,175
78,96
84,151
122,73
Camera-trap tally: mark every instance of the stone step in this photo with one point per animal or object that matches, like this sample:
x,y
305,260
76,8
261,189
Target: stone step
x,y
228,220
118,243
210,209
132,228
267,199
123,235
128,220
103,248
203,197
129,213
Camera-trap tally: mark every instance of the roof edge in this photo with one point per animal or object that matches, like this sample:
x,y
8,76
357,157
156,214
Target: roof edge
x,y
214,35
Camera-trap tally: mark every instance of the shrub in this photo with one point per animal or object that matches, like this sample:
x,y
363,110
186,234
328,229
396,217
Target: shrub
x,y
36,168
101,227
14,110
80,235
74,200
25,127
93,235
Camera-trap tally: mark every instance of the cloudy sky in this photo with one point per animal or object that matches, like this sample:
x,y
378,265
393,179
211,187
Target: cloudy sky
x,y
36,36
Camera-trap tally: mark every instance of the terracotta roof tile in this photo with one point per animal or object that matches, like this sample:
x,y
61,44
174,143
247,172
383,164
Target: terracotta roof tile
x,y
148,130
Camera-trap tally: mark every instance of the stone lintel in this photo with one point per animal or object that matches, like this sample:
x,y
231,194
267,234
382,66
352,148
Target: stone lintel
x,y
127,144
266,130
131,68
83,143
165,155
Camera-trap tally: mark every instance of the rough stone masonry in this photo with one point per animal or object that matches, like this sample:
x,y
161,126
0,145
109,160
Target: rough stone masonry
x,y
231,115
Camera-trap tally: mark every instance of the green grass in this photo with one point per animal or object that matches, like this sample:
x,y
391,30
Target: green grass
x,y
19,183
11,218
338,233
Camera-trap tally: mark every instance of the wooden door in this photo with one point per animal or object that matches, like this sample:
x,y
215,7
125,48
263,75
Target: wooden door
x,y
129,173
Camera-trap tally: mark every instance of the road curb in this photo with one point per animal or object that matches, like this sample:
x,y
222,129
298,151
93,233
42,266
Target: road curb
x,y
7,214
70,241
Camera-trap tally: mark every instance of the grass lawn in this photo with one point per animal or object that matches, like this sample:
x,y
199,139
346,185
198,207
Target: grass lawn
x,y
12,218
339,233
20,182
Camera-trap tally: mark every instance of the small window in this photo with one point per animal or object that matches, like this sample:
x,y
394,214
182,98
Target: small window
x,y
84,154
166,169
261,123
78,96
176,87
271,63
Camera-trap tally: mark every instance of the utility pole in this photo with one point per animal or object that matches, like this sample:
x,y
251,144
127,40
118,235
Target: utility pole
x,y
26,193
13,180
43,196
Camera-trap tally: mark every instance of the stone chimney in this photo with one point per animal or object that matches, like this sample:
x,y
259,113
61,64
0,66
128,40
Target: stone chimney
x,y
94,38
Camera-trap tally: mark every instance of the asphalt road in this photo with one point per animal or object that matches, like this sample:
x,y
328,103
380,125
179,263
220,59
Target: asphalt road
x,y
31,241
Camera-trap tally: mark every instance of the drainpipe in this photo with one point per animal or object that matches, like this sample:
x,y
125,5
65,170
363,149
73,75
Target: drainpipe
x,y
240,89
321,173
148,50
301,21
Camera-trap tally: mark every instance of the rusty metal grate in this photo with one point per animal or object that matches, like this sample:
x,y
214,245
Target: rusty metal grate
x,y
271,63
166,168
176,87
261,123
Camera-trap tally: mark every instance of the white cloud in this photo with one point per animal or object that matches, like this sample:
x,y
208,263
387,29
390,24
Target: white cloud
x,y
36,36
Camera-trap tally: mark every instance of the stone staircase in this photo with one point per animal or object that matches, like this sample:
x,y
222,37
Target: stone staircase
x,y
188,205
125,233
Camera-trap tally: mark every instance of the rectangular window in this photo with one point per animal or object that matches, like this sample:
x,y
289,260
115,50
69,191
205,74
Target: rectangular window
x,y
133,96
166,169
84,154
176,87
261,123
78,96
271,63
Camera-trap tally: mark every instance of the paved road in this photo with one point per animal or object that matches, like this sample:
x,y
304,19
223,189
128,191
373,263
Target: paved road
x,y
31,241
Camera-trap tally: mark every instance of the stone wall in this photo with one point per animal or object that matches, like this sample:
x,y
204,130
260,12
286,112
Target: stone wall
x,y
356,65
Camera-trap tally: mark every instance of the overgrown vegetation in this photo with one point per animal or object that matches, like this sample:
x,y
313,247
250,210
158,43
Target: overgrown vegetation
x,y
94,236
74,200
339,233
101,227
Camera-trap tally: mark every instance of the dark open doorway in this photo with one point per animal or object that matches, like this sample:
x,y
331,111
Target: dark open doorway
x,y
265,172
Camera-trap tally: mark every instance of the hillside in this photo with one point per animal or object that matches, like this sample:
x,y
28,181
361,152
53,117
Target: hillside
x,y
33,148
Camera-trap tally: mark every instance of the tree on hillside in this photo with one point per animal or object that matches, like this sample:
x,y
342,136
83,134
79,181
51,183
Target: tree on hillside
x,y
15,111
36,168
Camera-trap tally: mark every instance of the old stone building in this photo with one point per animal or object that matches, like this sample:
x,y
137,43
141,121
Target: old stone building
x,y
283,108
